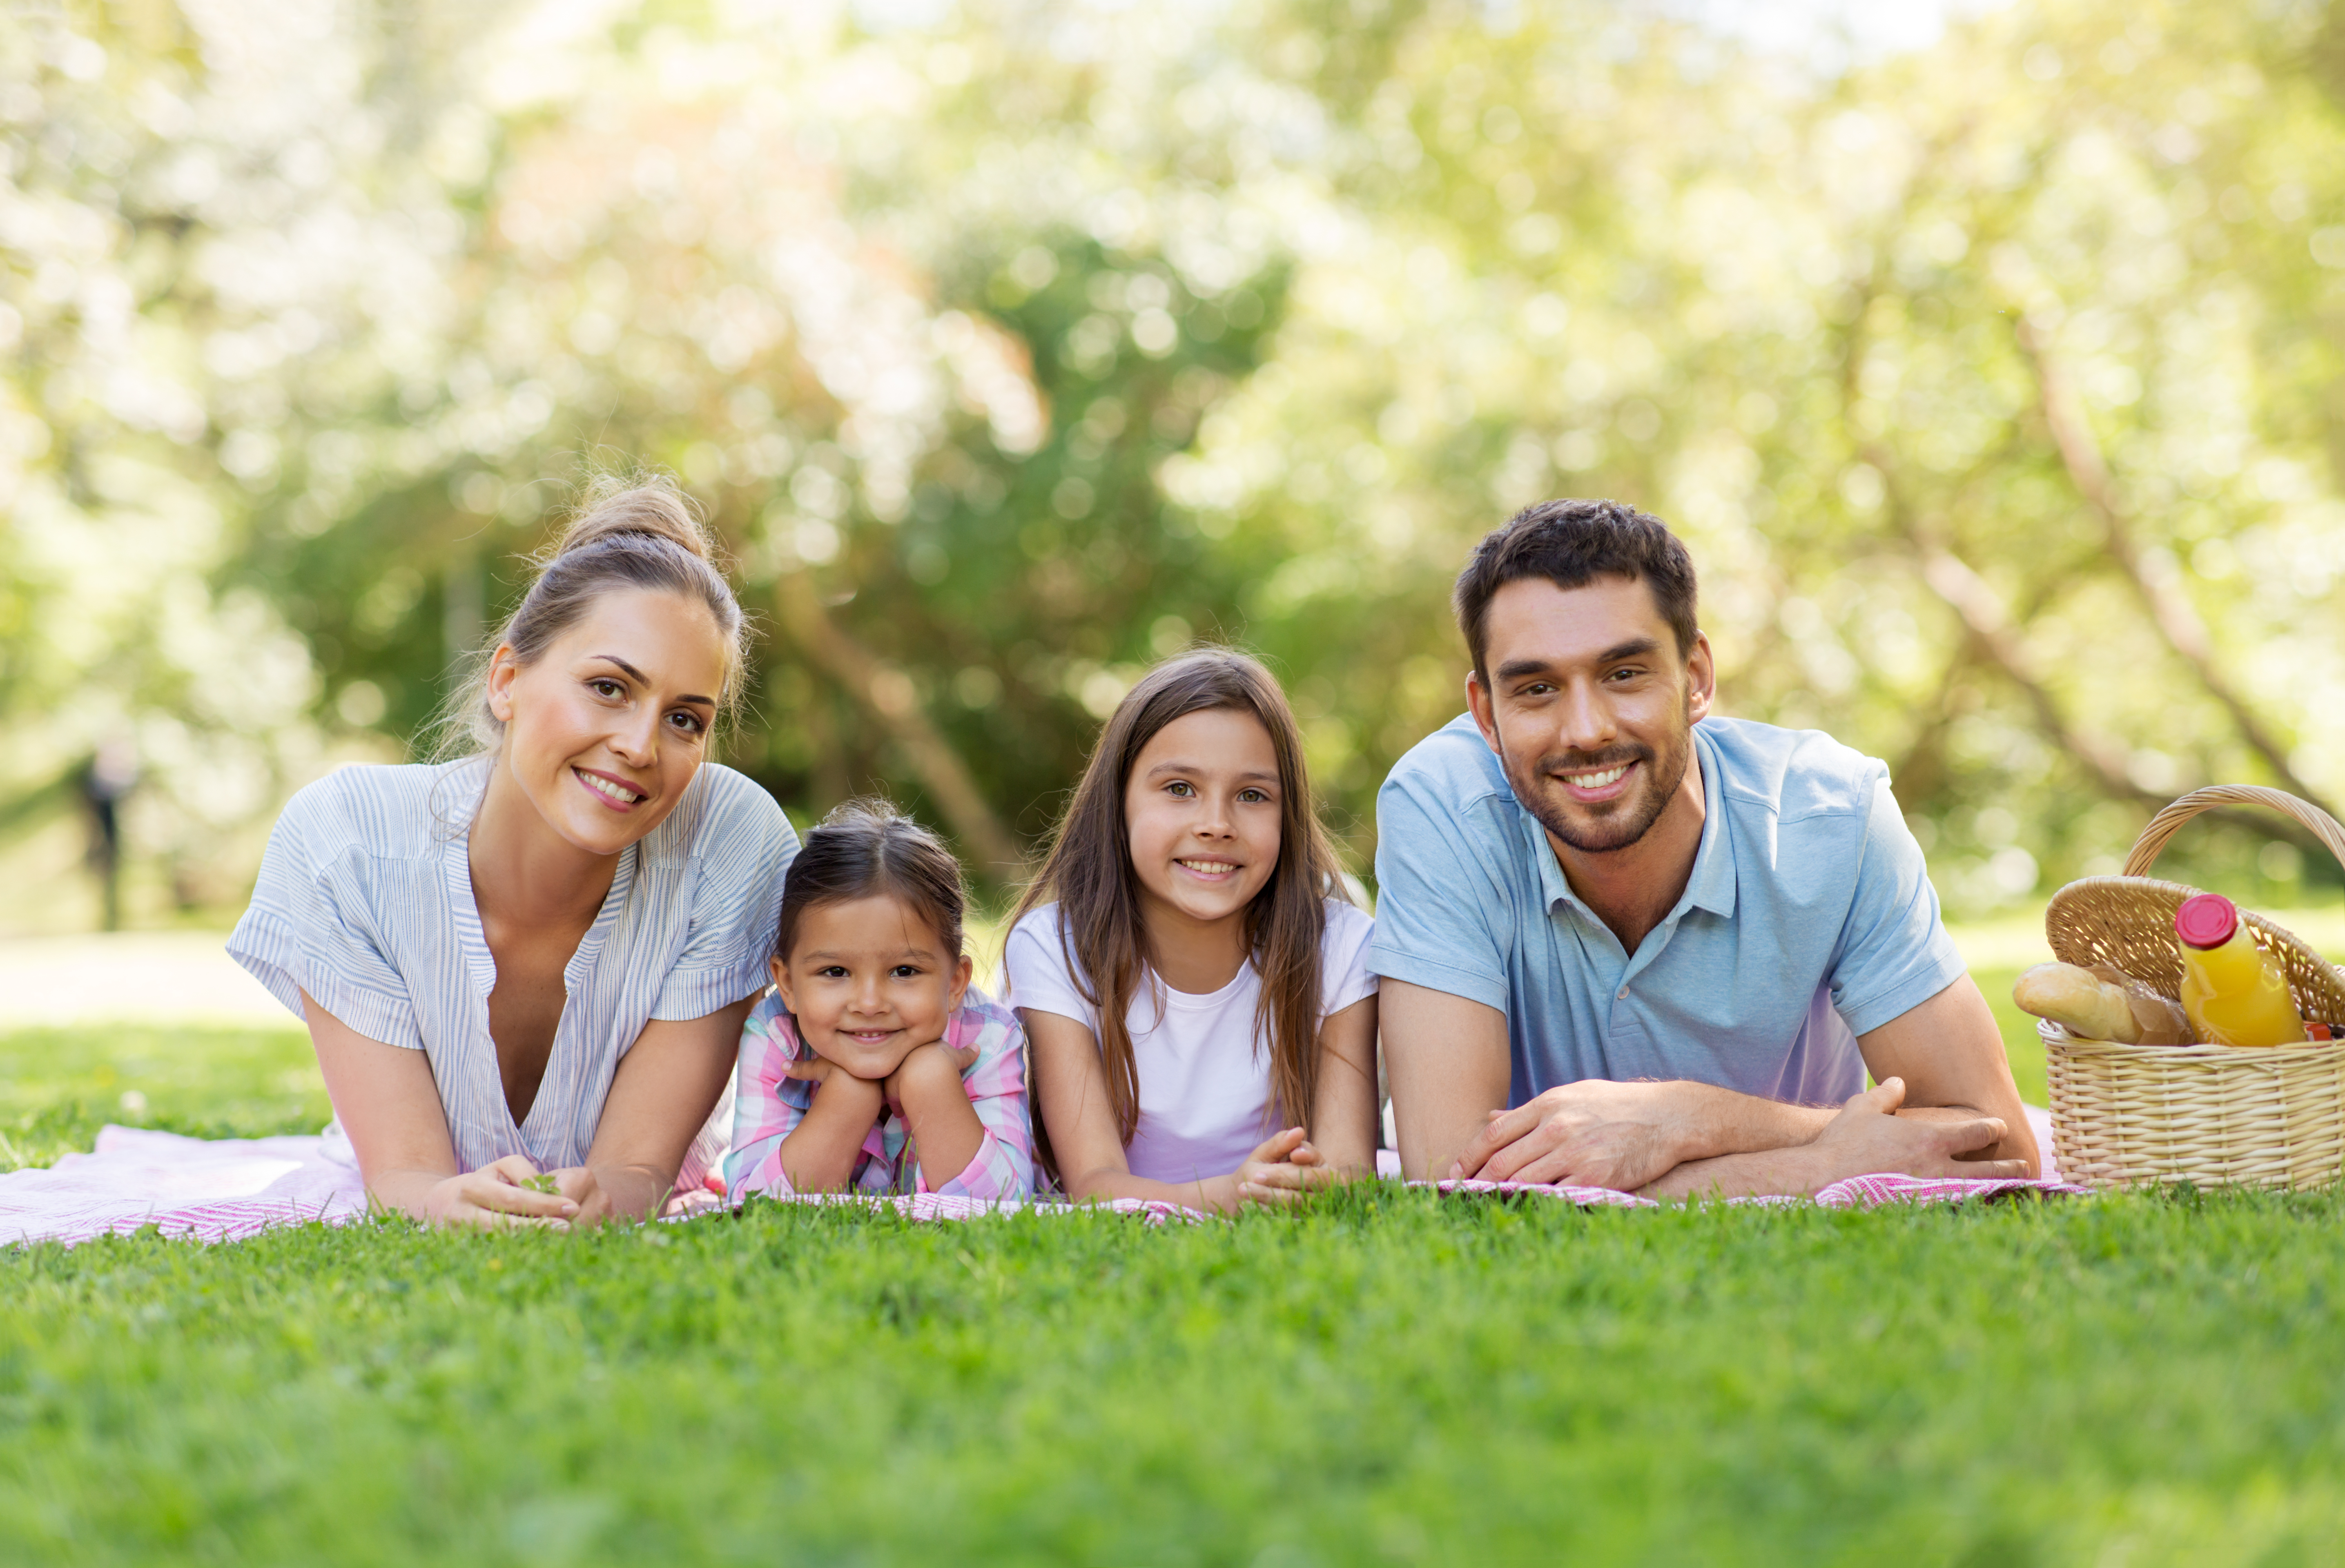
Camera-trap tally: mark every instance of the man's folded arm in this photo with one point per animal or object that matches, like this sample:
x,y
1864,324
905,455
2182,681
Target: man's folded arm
x,y
1449,1067
1955,1109
1865,1137
1945,1107
1949,1051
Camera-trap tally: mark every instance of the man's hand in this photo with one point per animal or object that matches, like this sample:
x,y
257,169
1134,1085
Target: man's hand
x,y
1868,1138
1592,1133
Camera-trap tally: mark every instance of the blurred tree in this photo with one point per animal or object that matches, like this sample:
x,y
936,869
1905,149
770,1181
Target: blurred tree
x,y
1996,386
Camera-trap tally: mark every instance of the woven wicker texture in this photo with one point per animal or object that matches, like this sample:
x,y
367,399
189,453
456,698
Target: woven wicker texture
x,y
2127,1115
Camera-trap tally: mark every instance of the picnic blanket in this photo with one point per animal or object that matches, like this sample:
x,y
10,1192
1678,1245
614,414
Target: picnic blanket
x,y
210,1189
226,1190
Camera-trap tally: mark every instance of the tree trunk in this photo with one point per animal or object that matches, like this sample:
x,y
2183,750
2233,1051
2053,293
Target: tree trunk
x,y
2170,609
888,694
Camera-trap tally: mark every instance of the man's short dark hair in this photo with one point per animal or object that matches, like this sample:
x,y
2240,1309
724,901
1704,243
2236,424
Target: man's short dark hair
x,y
1571,543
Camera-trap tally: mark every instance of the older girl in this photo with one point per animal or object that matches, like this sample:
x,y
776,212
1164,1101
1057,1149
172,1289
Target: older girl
x,y
1189,970
537,959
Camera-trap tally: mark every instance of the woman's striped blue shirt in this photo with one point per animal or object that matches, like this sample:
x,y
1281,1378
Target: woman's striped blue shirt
x,y
365,902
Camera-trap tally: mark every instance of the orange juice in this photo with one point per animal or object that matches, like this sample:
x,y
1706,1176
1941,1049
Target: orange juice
x,y
2235,993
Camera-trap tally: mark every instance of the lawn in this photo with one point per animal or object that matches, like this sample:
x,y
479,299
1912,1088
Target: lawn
x,y
1388,1378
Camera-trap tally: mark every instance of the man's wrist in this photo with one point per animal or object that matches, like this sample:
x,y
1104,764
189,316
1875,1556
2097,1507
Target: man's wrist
x,y
1693,1127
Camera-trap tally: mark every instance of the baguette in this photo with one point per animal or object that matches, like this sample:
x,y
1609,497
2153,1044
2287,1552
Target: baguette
x,y
2102,1003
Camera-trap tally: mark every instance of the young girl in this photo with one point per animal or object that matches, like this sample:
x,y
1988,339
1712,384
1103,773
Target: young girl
x,y
1188,968
874,1065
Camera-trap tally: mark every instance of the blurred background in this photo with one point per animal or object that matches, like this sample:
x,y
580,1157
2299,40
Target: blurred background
x,y
1988,357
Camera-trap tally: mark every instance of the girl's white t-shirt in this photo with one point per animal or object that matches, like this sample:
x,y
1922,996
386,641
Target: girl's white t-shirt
x,y
1203,1061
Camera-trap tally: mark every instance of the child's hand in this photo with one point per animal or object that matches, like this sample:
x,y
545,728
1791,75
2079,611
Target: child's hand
x,y
935,1062
811,1068
1283,1170
878,1064
871,1063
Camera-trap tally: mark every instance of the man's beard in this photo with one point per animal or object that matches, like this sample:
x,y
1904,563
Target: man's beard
x,y
1618,823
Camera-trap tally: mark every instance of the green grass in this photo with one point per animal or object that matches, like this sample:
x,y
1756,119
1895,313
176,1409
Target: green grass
x,y
1388,1378
58,1087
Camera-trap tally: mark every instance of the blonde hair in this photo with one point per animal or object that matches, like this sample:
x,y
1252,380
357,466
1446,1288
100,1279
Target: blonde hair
x,y
640,532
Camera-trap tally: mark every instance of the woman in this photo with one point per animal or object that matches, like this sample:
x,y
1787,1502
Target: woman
x,y
538,958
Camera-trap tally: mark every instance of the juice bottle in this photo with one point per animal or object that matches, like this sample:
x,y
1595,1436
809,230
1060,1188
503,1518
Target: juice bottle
x,y
2235,993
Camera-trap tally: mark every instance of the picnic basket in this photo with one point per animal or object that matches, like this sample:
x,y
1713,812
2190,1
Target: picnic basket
x,y
2143,1116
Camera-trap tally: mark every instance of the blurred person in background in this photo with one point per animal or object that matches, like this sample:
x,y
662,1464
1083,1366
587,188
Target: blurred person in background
x,y
534,960
106,781
1626,943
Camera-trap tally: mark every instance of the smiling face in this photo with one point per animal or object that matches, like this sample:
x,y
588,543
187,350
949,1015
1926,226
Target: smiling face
x,y
1589,706
868,979
605,730
1200,811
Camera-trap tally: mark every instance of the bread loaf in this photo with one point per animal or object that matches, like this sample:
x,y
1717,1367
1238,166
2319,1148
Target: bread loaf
x,y
2102,1004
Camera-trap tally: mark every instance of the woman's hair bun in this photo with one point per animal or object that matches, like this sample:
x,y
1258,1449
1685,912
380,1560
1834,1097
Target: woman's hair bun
x,y
628,533
652,506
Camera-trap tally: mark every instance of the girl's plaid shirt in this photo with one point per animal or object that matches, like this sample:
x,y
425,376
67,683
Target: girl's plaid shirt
x,y
768,1104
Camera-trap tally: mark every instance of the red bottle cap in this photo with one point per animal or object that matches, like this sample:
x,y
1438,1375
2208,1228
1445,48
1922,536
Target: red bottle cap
x,y
2207,920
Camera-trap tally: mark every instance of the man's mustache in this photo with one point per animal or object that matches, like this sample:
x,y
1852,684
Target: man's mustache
x,y
1586,762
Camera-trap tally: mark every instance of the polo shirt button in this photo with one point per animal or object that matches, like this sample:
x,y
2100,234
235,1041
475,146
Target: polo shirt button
x,y
1621,995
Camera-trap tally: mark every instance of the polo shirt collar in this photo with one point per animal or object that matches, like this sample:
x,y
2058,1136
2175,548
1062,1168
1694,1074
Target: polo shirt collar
x,y
1711,885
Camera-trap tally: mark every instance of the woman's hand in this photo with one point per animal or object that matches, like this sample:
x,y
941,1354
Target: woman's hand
x,y
497,1195
1282,1169
612,1194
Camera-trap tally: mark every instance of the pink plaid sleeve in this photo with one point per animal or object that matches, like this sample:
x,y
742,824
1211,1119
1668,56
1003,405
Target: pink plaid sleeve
x,y
1003,1166
763,1111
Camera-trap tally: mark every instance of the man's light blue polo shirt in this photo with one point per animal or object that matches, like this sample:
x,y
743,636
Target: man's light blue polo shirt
x,y
1809,919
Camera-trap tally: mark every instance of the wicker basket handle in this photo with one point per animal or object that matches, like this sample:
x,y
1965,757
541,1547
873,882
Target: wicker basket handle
x,y
2164,825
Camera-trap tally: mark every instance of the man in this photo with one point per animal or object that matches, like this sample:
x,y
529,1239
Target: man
x,y
1672,944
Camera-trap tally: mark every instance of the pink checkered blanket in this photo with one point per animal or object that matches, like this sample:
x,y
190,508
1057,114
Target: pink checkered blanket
x,y
228,1190
213,1190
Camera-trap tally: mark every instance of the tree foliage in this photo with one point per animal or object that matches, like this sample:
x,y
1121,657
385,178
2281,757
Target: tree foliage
x,y
1997,385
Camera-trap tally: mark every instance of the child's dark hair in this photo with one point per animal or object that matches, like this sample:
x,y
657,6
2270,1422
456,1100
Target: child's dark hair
x,y
868,846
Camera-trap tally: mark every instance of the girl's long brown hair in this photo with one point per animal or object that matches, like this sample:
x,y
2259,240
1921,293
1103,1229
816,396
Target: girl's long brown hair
x,y
1089,873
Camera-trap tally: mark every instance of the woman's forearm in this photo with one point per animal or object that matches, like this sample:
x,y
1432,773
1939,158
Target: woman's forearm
x,y
410,1191
660,1097
625,1191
